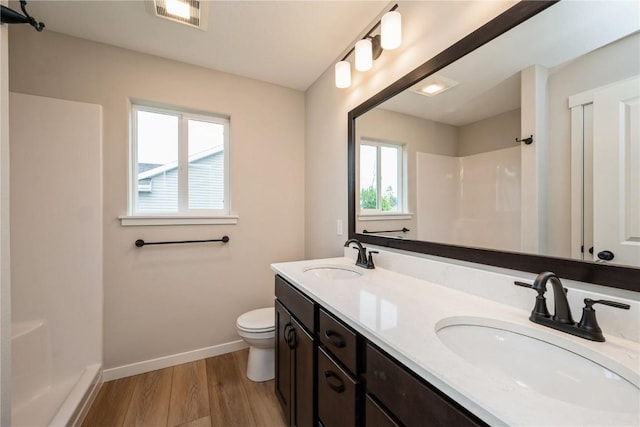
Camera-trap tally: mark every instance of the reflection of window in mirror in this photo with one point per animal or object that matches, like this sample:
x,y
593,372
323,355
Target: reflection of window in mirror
x,y
382,177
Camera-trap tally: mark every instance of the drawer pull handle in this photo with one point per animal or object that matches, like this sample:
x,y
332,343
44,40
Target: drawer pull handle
x,y
335,338
337,384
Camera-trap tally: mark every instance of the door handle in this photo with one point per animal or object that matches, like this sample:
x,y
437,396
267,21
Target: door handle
x,y
605,255
335,338
334,381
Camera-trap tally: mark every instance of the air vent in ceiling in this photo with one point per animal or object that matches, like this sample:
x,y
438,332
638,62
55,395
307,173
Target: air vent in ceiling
x,y
189,12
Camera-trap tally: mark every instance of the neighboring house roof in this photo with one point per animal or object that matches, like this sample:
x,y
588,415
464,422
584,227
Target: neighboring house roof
x,y
150,173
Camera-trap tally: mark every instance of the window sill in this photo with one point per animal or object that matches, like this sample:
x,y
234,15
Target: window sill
x,y
384,216
137,220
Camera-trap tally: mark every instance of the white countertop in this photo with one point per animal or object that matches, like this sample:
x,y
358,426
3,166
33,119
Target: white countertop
x,y
401,315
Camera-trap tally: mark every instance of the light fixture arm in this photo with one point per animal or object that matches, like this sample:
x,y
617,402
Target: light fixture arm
x,y
373,39
10,16
376,46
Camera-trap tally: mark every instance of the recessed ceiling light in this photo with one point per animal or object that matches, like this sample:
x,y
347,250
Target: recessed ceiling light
x,y
178,8
434,85
190,12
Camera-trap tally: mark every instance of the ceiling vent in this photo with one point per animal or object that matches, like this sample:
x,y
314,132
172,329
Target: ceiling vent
x,y
434,84
189,12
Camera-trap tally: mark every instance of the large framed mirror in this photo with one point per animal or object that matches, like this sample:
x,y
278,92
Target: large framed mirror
x,y
516,147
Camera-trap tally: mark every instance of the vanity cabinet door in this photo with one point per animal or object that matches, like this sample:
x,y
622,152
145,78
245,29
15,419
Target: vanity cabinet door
x,y
411,400
304,375
284,362
294,354
337,394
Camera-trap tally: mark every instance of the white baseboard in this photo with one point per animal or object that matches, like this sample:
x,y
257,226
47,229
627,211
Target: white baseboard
x,y
172,360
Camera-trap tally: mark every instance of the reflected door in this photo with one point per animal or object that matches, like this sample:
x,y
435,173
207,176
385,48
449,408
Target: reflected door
x,y
616,173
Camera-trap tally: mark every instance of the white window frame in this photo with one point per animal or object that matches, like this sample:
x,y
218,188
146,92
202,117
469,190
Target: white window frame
x,y
378,214
184,215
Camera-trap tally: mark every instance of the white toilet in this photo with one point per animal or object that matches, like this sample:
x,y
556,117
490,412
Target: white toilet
x,y
257,328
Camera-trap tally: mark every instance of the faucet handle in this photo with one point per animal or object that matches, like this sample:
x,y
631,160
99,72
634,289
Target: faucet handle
x,y
588,302
523,284
540,308
588,322
370,260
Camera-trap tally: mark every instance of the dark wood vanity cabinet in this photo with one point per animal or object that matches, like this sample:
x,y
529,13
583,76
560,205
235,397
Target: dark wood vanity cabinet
x,y
338,371
328,375
403,399
295,354
338,393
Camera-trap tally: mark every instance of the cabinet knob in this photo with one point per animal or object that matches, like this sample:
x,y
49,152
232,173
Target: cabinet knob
x,y
290,336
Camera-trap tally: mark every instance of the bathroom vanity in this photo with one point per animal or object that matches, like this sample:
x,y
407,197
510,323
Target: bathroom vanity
x,y
337,387
382,347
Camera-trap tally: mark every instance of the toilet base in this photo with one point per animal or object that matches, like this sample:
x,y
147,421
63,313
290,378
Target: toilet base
x,y
261,364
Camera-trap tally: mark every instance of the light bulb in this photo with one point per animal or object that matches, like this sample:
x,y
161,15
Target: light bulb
x,y
343,74
391,31
364,55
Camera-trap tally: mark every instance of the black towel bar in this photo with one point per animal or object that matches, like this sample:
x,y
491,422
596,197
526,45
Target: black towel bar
x,y
140,243
404,230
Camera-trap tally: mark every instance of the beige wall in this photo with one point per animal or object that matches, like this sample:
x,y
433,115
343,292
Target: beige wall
x,y
163,300
493,133
5,264
428,28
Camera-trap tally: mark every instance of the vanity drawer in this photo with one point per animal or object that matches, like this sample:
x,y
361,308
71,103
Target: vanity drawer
x,y
296,302
412,401
337,394
340,340
375,416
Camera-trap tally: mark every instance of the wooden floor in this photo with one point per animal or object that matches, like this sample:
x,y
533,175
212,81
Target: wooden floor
x,y
206,393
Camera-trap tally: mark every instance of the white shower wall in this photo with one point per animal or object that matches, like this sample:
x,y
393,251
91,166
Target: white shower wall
x,y
472,200
56,256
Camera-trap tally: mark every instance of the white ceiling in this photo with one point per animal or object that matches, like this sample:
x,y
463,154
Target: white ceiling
x,y
289,43
490,76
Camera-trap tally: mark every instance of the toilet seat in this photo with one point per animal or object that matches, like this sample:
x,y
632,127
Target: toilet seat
x,y
260,320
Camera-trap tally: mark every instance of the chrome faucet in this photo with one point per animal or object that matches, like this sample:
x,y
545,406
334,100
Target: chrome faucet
x,y
362,260
587,328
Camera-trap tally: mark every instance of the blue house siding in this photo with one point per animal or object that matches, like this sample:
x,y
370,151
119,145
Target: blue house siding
x,y
206,187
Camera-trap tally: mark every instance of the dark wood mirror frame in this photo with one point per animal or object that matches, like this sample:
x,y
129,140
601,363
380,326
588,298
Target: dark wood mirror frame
x,y
585,271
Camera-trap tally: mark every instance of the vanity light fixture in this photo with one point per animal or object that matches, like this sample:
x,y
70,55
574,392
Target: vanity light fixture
x,y
369,48
364,55
343,74
391,30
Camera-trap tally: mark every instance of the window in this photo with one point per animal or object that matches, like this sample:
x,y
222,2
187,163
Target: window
x,y
381,178
179,165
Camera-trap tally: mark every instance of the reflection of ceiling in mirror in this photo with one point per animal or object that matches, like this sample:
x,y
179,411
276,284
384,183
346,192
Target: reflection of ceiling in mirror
x,y
549,39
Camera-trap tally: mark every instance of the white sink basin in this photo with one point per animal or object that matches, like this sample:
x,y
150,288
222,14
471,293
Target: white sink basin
x,y
333,272
542,367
